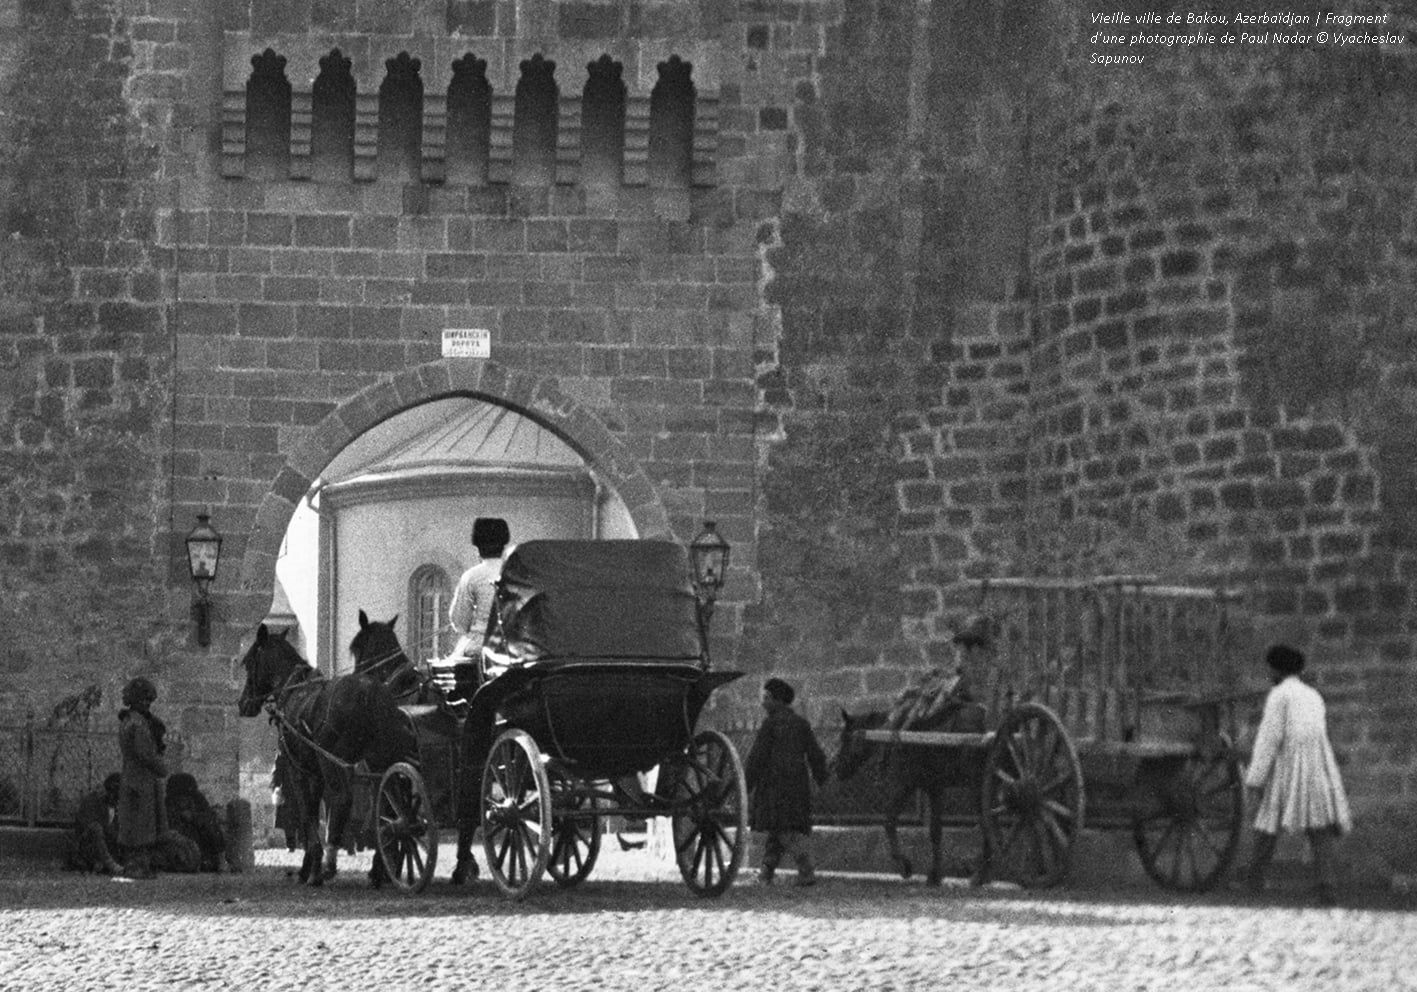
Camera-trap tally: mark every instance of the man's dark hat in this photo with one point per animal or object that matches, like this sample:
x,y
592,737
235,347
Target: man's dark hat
x,y
976,630
779,690
490,532
1284,659
139,688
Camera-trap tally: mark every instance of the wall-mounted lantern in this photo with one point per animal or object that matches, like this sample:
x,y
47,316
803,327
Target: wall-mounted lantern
x,y
709,555
203,556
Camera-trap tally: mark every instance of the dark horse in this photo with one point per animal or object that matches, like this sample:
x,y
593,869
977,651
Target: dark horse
x,y
907,769
325,725
378,653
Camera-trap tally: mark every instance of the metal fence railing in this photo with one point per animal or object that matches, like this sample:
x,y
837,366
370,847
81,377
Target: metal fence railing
x,y
45,771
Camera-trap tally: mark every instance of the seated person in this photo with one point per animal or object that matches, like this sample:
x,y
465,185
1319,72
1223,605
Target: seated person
x,y
928,701
95,838
471,607
176,852
191,815
943,692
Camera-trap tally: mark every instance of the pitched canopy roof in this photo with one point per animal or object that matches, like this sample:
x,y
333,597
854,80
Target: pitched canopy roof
x,y
452,435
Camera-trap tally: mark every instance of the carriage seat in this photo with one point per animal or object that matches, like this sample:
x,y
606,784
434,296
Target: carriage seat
x,y
433,721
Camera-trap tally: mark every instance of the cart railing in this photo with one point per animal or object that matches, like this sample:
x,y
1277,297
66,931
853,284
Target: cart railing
x,y
1118,657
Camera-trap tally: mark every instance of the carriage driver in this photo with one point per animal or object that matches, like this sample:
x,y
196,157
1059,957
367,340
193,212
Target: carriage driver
x,y
472,600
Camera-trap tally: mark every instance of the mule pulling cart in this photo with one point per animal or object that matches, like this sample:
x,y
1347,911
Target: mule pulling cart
x,y
1112,703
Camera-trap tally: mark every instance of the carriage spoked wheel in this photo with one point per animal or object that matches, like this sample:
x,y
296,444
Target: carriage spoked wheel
x,y
575,829
404,830
1189,831
709,802
1032,805
516,813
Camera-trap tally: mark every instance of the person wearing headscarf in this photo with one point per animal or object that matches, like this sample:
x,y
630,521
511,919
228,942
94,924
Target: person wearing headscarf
x,y
1294,774
190,814
142,811
784,760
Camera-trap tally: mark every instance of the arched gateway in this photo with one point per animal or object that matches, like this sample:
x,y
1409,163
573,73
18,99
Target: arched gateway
x,y
537,397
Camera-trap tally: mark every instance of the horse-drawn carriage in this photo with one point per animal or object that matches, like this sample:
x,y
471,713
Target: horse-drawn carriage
x,y
594,672
1112,702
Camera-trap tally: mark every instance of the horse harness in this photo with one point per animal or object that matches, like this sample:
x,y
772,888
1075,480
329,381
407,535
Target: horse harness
x,y
275,703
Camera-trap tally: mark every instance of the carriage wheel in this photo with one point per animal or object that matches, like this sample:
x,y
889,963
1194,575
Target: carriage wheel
x,y
1189,832
404,831
1032,806
516,813
710,814
575,830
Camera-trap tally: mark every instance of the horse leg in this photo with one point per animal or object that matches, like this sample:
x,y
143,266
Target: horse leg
x,y
338,803
468,799
895,804
308,809
466,868
378,871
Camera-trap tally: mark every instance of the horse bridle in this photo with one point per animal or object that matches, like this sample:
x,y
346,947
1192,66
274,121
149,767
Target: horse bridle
x,y
274,699
374,666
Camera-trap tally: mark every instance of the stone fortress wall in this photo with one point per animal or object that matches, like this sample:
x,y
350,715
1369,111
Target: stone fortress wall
x,y
896,292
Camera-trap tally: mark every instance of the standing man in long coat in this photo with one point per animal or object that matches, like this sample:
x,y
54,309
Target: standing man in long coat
x,y
782,763
142,809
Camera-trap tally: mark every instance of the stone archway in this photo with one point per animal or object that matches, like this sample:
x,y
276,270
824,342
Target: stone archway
x,y
537,397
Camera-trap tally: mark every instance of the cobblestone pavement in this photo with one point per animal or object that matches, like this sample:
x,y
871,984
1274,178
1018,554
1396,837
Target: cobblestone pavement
x,y
633,925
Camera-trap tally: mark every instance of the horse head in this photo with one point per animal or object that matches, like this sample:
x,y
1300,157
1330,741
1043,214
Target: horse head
x,y
853,749
376,647
377,653
269,663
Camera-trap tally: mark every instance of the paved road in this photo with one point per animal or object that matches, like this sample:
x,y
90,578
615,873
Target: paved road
x,y
633,926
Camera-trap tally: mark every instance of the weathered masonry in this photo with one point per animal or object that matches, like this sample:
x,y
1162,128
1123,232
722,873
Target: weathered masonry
x,y
896,292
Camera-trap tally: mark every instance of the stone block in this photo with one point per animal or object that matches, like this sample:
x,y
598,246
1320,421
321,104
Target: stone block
x,y
323,231
474,18
266,320
587,20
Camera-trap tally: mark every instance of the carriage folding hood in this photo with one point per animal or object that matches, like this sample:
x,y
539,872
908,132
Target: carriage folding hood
x,y
606,665
624,600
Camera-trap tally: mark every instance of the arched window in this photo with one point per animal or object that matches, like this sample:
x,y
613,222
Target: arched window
x,y
469,121
332,120
671,126
401,120
429,593
268,118
603,124
534,125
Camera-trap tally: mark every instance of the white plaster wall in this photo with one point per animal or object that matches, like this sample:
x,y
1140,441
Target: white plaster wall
x,y
380,545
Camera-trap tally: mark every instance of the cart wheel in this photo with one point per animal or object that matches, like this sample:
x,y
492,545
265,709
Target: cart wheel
x,y
516,813
404,831
1032,806
575,830
709,800
1188,834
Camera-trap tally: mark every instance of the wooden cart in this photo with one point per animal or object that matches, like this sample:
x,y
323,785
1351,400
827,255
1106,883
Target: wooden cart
x,y
1115,702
